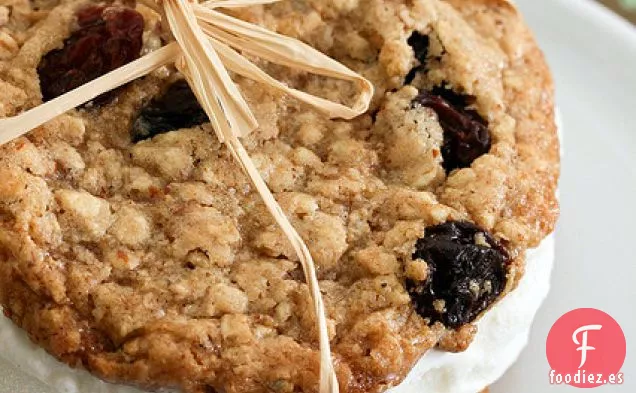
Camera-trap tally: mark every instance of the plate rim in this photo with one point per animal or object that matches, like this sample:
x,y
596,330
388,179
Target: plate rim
x,y
593,10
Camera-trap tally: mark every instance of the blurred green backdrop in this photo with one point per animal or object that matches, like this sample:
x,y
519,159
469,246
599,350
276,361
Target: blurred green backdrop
x,y
626,8
629,3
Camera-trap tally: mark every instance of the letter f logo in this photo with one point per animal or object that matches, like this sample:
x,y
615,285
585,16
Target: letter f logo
x,y
583,344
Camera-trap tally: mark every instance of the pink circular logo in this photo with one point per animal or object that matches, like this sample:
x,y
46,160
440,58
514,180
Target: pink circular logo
x,y
586,348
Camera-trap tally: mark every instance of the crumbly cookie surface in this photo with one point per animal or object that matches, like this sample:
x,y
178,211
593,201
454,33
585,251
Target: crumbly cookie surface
x,y
153,262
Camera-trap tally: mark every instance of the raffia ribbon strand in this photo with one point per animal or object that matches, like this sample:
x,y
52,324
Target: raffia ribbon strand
x,y
236,3
13,127
289,52
205,48
207,76
182,21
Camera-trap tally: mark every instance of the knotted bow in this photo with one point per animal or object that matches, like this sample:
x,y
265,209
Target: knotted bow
x,y
204,50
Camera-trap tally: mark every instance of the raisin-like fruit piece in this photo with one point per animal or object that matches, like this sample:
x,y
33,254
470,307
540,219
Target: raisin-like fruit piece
x,y
176,108
466,135
467,271
420,44
106,39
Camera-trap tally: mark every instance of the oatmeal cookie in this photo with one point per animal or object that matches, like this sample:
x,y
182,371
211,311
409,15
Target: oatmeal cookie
x,y
132,245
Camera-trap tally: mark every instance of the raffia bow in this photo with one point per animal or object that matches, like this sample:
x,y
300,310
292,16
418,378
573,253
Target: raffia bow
x,y
204,51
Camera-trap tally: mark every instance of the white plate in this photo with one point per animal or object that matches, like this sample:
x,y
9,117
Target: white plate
x,y
593,58
592,53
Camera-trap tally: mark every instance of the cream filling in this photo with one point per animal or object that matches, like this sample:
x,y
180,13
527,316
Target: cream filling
x,y
503,333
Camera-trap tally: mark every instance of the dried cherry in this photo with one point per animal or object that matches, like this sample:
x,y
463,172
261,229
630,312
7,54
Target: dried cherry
x,y
467,270
106,39
466,135
420,44
176,108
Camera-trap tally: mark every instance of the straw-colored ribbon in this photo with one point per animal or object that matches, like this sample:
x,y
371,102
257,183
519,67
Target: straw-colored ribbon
x,y
204,51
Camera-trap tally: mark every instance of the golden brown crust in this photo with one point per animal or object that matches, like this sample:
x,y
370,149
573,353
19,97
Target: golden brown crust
x,y
155,264
531,206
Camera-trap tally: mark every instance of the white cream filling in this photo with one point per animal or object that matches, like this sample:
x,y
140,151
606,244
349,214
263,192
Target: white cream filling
x,y
503,333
